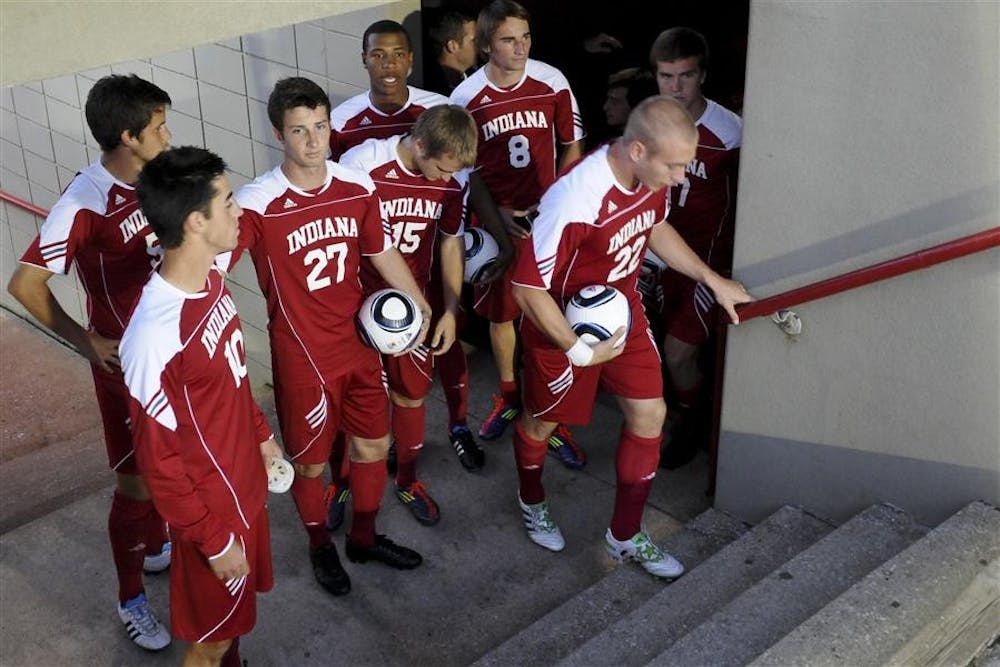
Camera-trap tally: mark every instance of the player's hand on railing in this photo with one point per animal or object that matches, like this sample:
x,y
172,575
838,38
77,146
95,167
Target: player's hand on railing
x,y
728,293
444,334
102,352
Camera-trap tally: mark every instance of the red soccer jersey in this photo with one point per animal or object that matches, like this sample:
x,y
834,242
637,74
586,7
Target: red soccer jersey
x,y
97,223
355,120
197,428
590,231
519,127
703,207
306,248
415,208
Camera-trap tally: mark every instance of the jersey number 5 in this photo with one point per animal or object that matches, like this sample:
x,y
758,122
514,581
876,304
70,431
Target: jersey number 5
x,y
319,258
627,259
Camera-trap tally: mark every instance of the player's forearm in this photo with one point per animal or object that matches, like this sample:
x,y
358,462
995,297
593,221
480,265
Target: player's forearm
x,y
674,250
539,306
571,154
488,214
30,287
452,271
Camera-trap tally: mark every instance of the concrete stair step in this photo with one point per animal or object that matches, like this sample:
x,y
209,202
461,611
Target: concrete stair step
x,y
674,611
558,631
872,621
793,592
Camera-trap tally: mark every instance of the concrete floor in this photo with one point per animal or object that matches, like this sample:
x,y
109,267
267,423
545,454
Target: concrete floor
x,y
481,582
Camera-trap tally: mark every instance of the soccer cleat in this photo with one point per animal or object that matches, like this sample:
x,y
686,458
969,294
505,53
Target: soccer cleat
x,y
154,563
338,492
141,624
384,551
502,414
328,571
564,447
421,505
469,453
390,461
542,530
644,551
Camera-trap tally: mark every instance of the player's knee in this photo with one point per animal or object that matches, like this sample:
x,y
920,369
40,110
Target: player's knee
x,y
646,419
309,470
210,653
370,450
133,486
535,428
404,401
678,355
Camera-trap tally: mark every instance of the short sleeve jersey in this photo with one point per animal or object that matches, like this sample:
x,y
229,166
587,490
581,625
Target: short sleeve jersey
x,y
356,120
98,225
590,230
415,208
705,202
518,130
307,249
197,428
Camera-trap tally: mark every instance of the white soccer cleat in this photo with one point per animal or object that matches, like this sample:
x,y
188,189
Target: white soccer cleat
x,y
642,550
157,562
542,530
141,624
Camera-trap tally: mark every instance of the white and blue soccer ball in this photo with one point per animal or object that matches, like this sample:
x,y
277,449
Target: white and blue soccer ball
x,y
596,312
481,250
389,320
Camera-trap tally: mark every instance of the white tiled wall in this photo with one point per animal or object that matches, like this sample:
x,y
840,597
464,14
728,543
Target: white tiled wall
x,y
219,94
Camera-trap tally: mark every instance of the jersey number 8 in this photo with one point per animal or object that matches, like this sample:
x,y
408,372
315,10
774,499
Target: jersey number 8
x,y
520,151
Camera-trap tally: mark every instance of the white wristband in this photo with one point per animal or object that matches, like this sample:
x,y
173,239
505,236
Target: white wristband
x,y
580,354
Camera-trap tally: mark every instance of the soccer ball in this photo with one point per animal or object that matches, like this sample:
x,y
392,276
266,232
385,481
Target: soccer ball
x,y
596,312
389,321
481,250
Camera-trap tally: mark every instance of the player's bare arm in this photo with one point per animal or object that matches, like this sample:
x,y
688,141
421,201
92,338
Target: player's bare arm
x,y
29,285
270,450
570,154
393,269
493,221
452,268
668,244
231,563
544,312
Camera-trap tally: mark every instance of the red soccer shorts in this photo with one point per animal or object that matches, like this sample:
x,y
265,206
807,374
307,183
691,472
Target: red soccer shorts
x,y
356,403
112,400
557,391
689,311
411,374
202,607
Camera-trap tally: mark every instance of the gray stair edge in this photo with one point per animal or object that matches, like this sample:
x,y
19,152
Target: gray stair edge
x,y
546,638
893,603
774,606
667,616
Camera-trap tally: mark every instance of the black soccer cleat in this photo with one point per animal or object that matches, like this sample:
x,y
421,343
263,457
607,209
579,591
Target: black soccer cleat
x,y
328,571
384,551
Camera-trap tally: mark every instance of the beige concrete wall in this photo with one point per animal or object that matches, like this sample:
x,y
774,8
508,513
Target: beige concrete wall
x,y
219,91
871,130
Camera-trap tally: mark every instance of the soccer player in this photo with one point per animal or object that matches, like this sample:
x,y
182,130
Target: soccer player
x,y
391,107
453,40
307,223
420,180
523,108
702,212
626,88
98,225
593,227
202,443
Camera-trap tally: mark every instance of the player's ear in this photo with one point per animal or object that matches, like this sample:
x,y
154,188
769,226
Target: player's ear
x,y
278,135
636,150
128,140
451,46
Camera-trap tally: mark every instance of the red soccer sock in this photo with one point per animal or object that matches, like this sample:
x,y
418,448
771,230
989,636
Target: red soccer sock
x,y
128,523
307,492
530,458
511,393
367,485
408,429
339,463
453,368
156,533
231,658
635,461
